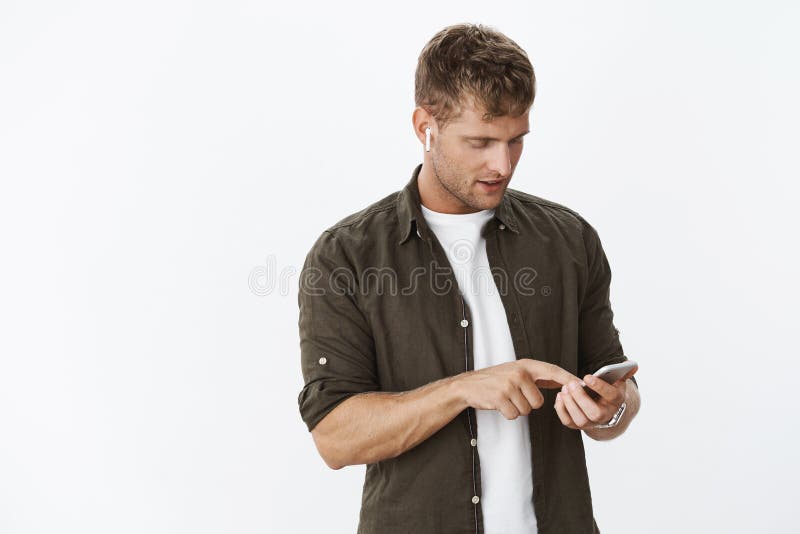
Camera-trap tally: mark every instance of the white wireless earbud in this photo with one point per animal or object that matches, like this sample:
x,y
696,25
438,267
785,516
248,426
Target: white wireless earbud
x,y
427,139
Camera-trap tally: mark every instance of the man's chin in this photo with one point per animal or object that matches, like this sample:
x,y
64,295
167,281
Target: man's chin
x,y
488,202
489,199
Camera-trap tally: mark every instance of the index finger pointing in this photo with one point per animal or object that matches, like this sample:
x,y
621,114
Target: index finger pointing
x,y
548,375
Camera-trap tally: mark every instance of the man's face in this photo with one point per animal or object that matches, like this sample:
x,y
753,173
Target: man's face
x,y
471,153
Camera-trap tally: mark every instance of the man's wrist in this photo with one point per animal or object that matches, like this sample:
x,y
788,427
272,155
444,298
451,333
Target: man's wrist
x,y
616,418
455,389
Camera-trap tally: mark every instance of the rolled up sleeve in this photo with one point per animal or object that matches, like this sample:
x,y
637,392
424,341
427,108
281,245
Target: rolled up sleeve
x,y
598,338
337,350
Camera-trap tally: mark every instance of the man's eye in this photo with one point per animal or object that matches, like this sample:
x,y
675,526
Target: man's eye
x,y
485,143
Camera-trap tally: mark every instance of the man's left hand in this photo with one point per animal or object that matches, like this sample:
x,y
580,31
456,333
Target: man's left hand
x,y
579,411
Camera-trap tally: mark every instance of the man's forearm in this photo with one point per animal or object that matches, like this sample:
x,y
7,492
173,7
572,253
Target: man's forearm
x,y
633,401
373,426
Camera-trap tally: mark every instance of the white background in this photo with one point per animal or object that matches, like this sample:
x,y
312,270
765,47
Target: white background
x,y
157,157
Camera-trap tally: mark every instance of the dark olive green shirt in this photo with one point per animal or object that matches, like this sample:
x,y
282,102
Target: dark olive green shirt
x,y
381,310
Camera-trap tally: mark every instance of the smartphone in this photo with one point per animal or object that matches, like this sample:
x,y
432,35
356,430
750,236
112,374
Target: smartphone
x,y
611,373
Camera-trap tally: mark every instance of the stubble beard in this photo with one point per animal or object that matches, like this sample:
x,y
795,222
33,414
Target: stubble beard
x,y
452,186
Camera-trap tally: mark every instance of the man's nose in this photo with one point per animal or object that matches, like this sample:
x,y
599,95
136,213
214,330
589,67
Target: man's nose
x,y
501,160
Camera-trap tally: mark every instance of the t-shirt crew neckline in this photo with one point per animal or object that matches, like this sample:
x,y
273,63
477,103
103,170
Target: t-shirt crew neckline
x,y
455,218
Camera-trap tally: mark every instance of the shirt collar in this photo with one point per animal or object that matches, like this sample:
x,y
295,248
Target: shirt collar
x,y
410,216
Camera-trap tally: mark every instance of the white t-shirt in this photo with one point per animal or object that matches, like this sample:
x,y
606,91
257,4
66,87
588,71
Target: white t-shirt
x,y
503,445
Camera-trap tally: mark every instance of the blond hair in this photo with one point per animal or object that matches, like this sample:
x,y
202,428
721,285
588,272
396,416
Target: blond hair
x,y
472,62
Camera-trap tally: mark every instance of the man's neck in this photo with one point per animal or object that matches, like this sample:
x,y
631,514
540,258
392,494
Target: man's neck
x,y
434,196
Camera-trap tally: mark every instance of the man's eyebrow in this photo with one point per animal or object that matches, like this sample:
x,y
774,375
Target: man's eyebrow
x,y
479,138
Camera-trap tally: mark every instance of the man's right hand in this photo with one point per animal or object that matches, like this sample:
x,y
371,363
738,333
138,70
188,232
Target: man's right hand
x,y
512,388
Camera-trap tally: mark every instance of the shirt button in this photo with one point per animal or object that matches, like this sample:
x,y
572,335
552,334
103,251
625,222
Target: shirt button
x,y
476,499
502,226
464,323
473,442
323,360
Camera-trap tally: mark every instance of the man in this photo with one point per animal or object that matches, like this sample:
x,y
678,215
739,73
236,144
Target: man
x,y
436,323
